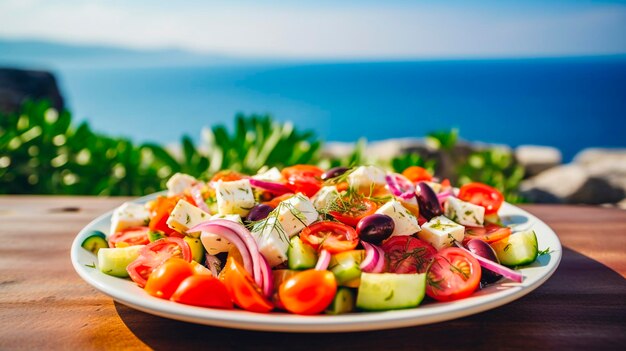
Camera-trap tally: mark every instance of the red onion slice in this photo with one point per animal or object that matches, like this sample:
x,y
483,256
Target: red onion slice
x,y
323,261
495,267
444,195
196,194
374,261
372,256
275,188
400,186
380,266
243,241
268,279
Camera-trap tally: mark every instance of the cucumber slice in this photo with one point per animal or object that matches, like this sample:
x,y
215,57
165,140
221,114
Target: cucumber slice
x,y
197,249
389,291
343,302
113,261
518,249
300,255
345,267
154,236
95,241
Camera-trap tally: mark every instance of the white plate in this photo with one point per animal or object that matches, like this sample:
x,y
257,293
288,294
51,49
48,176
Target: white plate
x,y
127,293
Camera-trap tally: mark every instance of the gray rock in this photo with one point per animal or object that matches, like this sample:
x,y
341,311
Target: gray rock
x,y
536,159
596,176
18,85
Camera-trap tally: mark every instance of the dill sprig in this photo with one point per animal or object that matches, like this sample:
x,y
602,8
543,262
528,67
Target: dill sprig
x,y
272,220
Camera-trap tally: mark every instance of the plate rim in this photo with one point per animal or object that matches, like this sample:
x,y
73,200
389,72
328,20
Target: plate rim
x,y
283,322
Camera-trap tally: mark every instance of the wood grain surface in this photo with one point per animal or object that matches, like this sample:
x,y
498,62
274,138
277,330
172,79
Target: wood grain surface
x,y
45,305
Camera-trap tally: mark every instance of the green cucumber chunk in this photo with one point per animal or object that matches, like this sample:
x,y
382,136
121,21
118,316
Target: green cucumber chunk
x,y
389,291
95,241
197,249
300,256
346,267
343,302
113,261
518,249
154,236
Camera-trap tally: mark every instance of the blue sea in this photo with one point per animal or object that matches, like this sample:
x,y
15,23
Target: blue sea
x,y
569,103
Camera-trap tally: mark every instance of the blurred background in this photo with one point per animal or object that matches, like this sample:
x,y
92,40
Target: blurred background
x,y
112,97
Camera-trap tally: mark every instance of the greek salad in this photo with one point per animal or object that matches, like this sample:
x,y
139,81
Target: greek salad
x,y
308,241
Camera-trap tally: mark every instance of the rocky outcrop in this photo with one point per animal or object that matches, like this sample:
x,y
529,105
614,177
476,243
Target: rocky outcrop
x,y
596,176
18,85
536,159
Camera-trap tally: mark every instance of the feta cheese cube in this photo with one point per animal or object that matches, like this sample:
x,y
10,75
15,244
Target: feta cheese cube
x,y
441,232
324,197
179,182
129,215
405,223
271,175
272,240
213,243
234,197
365,178
464,213
184,216
295,213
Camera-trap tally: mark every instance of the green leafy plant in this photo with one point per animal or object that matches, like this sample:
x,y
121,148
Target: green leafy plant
x,y
42,152
258,141
496,167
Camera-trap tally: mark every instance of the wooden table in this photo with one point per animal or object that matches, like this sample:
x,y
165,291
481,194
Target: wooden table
x,y
45,305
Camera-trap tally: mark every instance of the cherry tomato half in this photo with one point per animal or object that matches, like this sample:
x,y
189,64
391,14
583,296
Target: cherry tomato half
x,y
203,291
354,210
165,279
482,195
453,275
308,292
306,179
153,255
408,254
332,236
490,233
417,174
130,237
244,292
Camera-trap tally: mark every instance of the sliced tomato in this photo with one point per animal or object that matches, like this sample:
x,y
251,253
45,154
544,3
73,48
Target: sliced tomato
x,y
160,212
130,237
332,236
203,291
482,195
153,255
308,292
227,176
454,274
165,279
244,292
408,254
417,174
490,233
353,210
306,179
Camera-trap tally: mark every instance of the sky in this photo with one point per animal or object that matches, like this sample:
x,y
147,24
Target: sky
x,y
326,29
